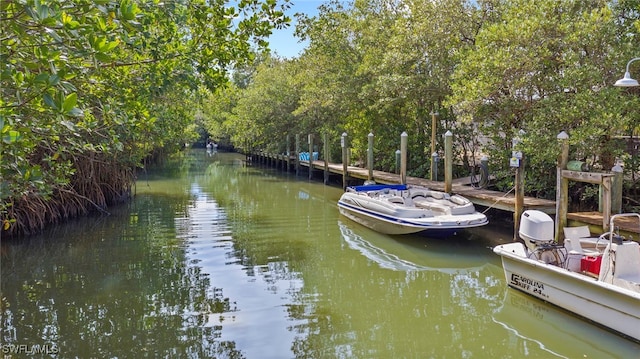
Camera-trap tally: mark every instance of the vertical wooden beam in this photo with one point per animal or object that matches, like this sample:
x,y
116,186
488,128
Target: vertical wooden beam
x,y
616,189
448,161
434,166
297,154
326,158
519,198
288,153
370,157
434,154
345,159
562,186
606,203
434,128
310,156
403,158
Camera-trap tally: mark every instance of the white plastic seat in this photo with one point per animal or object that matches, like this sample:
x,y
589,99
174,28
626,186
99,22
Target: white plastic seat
x,y
575,252
572,236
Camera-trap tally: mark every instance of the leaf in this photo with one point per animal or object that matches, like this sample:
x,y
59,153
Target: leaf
x,y
102,57
69,125
11,136
70,102
76,112
43,12
49,101
109,46
54,80
41,78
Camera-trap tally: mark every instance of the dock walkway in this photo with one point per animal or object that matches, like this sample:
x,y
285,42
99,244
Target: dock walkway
x,y
483,197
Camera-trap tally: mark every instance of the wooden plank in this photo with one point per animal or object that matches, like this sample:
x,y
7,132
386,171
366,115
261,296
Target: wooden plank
x,y
588,177
626,224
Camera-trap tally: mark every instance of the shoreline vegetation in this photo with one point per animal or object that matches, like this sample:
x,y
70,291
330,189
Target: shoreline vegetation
x,y
94,91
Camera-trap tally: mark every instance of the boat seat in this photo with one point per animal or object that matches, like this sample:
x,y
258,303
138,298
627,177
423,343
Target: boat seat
x,y
432,205
622,269
396,199
572,236
577,232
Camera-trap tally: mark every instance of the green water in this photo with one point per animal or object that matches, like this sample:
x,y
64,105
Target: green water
x,y
214,259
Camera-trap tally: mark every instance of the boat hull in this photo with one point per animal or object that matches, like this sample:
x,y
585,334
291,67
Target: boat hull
x,y
390,224
605,304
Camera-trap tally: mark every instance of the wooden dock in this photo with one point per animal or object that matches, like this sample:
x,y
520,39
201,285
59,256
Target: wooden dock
x,y
628,226
482,197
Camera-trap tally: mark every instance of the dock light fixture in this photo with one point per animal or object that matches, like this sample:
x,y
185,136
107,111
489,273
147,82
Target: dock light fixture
x,y
627,81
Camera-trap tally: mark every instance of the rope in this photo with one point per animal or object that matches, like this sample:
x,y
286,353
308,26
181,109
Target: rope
x,y
488,208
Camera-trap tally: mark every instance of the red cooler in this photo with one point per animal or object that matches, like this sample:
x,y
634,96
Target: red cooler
x,y
591,264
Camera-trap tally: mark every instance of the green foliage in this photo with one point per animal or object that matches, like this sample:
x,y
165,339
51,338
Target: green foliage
x,y
108,83
490,68
547,73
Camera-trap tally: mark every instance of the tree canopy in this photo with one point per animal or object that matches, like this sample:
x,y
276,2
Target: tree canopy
x,y
492,70
91,88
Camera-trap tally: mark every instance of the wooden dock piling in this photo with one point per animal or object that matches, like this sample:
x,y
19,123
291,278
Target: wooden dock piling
x,y
515,203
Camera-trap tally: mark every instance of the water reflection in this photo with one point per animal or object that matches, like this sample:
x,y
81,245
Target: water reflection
x,y
556,332
375,254
111,287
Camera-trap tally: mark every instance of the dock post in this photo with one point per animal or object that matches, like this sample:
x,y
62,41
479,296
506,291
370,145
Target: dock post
x,y
434,166
448,161
562,186
288,153
403,158
326,158
344,146
397,162
434,124
606,203
519,183
519,198
310,156
370,157
297,154
616,189
434,154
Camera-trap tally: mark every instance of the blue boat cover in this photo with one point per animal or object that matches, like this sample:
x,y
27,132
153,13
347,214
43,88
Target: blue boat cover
x,y
377,187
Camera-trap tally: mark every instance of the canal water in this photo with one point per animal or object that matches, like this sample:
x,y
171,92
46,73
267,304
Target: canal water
x,y
216,259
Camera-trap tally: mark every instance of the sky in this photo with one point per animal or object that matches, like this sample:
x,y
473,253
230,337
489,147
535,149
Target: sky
x,y
282,42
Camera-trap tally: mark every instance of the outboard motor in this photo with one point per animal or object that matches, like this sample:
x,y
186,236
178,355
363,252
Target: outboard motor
x,y
536,229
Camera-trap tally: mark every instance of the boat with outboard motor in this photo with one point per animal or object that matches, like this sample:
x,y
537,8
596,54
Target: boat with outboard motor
x,y
601,285
405,209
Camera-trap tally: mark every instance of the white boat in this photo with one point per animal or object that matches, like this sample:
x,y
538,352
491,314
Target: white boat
x,y
404,209
601,285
